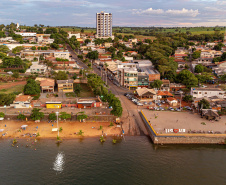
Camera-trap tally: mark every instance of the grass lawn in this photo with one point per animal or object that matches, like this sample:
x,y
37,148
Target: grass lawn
x,y
70,94
17,88
86,91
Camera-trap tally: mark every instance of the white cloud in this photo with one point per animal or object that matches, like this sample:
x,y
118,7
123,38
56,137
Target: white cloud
x,y
221,2
183,12
148,11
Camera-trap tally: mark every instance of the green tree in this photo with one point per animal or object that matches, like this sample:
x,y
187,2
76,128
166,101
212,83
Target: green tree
x,y
4,49
17,49
187,98
204,104
54,46
187,78
80,133
81,116
32,87
199,68
74,76
7,99
61,75
87,41
21,117
196,54
156,84
93,55
16,74
33,48
2,115
52,116
82,30
77,89
64,115
36,114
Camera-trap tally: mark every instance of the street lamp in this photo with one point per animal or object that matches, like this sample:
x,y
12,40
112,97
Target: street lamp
x,y
5,108
181,92
57,123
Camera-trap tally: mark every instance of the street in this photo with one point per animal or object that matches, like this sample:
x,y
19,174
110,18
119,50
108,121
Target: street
x,y
132,122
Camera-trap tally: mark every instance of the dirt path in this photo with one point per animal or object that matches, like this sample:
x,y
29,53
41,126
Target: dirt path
x,y
8,85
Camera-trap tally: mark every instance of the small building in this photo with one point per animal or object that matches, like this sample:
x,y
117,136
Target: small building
x,y
65,85
22,101
172,101
37,68
207,92
84,103
53,105
47,85
210,114
145,93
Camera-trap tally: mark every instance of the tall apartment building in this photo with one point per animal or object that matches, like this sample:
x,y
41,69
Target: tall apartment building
x,y
104,24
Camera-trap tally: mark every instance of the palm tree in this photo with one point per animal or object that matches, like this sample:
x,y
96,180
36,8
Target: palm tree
x,y
102,139
80,133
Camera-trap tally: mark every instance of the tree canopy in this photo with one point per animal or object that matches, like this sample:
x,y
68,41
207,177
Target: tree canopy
x,y
36,114
32,87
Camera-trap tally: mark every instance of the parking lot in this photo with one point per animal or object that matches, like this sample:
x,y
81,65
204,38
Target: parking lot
x,y
159,105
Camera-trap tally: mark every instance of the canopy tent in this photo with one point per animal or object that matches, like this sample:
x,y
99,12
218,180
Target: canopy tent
x,y
1,130
24,127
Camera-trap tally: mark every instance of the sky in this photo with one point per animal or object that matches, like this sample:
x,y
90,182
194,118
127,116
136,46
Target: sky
x,y
164,13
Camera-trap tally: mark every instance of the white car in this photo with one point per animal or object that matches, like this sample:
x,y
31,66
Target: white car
x,y
140,104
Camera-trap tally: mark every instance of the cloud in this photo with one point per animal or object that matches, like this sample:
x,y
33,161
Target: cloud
x,y
183,12
151,11
148,11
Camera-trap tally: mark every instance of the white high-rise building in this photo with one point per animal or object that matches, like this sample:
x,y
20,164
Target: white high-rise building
x,y
104,25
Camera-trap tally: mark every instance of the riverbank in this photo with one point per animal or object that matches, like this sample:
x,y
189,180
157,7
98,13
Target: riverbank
x,y
70,129
183,128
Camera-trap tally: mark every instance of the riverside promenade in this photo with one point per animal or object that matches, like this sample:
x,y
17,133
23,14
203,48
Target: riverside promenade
x,y
165,131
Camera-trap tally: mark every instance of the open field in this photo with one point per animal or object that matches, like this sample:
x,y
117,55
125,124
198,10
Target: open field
x,y
140,31
7,88
85,91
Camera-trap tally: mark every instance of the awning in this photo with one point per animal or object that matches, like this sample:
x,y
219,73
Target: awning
x,y
24,126
1,130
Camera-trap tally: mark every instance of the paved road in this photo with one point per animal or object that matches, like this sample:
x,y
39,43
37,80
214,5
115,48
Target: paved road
x,y
74,56
132,122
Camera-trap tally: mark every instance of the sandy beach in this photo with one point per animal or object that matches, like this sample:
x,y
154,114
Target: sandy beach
x,y
12,129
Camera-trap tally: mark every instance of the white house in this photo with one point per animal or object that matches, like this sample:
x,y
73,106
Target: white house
x,y
37,68
22,101
207,92
77,35
172,101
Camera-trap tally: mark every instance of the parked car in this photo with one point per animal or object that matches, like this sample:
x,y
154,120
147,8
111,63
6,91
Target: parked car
x,y
170,108
156,108
159,104
125,94
178,109
188,108
163,101
145,103
161,108
150,103
140,104
151,108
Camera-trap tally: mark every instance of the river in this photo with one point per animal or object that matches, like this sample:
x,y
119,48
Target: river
x,y
134,160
